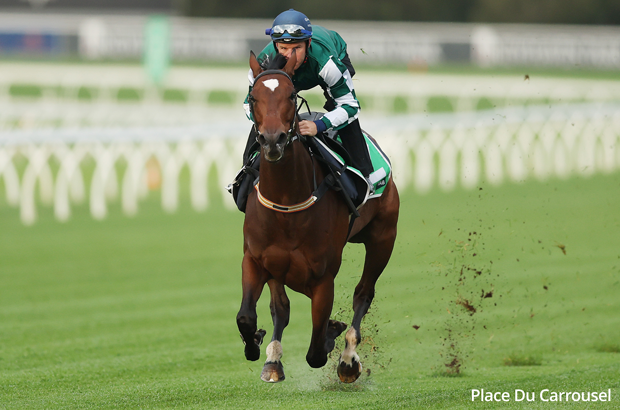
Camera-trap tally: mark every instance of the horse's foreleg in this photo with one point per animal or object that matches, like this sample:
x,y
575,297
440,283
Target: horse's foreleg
x,y
377,256
253,282
324,331
273,370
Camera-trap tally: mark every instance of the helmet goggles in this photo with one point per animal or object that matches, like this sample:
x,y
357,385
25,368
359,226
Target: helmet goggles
x,y
292,31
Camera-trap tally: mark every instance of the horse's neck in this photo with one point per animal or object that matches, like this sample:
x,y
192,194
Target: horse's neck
x,y
289,180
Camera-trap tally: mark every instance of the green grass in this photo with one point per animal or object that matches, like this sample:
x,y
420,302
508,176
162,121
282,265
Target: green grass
x,y
517,359
221,97
609,348
25,90
140,312
124,94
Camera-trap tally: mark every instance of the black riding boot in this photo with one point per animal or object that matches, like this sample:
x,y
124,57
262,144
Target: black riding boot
x,y
241,187
251,146
352,139
354,142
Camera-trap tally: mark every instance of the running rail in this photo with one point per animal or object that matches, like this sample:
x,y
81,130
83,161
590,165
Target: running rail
x,y
71,166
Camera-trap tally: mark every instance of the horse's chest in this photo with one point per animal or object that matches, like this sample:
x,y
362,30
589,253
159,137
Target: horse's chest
x,y
292,267
276,261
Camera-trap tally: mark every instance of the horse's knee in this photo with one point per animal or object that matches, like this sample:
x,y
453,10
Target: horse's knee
x,y
246,317
246,323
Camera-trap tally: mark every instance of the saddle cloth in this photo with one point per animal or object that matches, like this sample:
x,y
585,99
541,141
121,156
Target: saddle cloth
x,y
358,188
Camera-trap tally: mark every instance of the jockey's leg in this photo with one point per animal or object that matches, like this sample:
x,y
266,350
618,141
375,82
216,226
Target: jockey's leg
x,y
241,187
354,142
352,137
251,146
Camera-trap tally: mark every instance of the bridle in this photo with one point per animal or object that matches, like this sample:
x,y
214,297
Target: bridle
x,y
292,134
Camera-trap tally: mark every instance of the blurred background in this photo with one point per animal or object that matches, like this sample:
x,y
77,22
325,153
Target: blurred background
x,y
106,100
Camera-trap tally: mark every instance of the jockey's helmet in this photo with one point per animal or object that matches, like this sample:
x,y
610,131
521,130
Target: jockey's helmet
x,y
290,26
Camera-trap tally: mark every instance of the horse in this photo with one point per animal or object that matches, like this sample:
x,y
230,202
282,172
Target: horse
x,y
292,240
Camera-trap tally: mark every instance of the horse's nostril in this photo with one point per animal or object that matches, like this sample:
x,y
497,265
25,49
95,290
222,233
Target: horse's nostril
x,y
281,139
261,139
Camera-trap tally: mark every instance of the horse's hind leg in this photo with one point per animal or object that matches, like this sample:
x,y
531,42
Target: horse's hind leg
x,y
378,251
253,282
273,370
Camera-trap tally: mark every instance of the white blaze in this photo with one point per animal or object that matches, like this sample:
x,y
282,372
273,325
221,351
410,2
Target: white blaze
x,y
271,84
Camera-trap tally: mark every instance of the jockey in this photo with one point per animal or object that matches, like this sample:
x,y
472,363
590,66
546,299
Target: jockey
x,y
322,60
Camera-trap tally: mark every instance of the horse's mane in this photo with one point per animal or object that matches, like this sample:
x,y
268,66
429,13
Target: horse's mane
x,y
278,62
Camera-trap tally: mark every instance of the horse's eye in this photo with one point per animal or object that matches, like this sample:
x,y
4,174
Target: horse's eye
x,y
293,96
251,98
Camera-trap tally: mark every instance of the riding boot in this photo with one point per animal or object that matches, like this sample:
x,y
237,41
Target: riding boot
x,y
354,142
241,187
251,146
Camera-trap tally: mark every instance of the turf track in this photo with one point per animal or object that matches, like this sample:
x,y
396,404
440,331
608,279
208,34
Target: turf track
x,y
139,312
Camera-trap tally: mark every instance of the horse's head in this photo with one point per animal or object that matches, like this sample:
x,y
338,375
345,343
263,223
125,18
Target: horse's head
x,y
273,102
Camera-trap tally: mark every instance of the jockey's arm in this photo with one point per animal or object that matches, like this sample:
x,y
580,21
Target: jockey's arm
x,y
339,87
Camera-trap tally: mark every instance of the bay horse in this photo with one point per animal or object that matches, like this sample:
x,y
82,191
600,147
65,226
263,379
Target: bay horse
x,y
291,240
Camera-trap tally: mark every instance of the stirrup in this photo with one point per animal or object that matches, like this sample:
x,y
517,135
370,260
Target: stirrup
x,y
236,181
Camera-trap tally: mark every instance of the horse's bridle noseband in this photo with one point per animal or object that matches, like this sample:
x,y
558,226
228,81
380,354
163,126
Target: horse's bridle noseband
x,y
291,135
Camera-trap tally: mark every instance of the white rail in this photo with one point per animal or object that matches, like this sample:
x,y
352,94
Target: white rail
x,y
447,150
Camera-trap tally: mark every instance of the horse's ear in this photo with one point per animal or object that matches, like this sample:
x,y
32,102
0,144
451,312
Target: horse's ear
x,y
289,68
254,65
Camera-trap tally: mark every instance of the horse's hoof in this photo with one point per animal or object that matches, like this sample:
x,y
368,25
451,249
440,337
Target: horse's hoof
x,y
350,366
273,372
349,374
252,353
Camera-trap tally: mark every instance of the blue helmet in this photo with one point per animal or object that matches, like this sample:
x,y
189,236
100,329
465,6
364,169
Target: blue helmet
x,y
290,26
